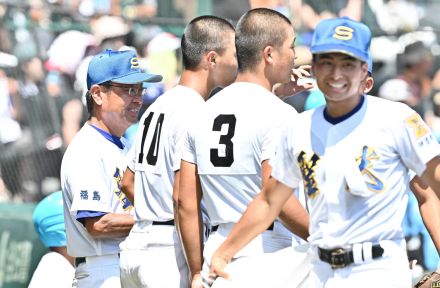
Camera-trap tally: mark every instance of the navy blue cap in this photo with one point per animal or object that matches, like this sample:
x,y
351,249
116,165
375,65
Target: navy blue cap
x,y
342,35
117,66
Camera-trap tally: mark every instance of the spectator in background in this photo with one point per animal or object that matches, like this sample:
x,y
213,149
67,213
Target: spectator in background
x,y
414,88
161,57
313,11
137,9
65,55
55,269
13,139
41,119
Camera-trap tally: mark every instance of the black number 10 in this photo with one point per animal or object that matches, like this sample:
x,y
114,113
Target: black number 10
x,y
154,145
228,159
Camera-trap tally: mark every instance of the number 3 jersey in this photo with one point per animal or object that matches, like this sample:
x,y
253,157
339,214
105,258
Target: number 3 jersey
x,y
155,156
239,128
355,172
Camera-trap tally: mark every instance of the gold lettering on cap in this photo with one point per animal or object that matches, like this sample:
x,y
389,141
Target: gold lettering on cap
x,y
135,63
343,33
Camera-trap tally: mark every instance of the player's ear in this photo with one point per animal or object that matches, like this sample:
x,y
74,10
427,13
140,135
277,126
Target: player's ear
x,y
211,58
95,91
267,54
369,83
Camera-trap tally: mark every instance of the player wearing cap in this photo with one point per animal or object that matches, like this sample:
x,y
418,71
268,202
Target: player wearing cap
x,y
353,155
225,158
55,269
97,213
152,256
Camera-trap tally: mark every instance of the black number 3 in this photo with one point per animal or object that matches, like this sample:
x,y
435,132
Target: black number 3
x,y
154,145
228,159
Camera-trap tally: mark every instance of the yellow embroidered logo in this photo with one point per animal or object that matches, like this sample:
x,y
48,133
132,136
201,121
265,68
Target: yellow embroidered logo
x,y
343,33
117,177
134,63
308,170
435,284
416,123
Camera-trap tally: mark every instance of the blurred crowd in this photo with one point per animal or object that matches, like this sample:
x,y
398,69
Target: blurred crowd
x,y
45,46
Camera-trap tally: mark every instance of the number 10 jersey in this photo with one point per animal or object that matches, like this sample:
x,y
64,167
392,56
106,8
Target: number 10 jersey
x,y
157,151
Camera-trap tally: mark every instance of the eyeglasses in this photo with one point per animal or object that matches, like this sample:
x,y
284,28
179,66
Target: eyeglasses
x,y
131,91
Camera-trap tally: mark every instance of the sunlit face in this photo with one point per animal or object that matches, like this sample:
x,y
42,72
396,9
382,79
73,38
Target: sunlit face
x,y
121,105
284,57
226,63
339,76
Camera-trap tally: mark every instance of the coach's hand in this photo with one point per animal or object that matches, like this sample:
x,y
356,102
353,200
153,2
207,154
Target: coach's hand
x,y
218,265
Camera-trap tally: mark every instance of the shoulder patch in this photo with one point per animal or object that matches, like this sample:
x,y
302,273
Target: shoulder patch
x,y
417,125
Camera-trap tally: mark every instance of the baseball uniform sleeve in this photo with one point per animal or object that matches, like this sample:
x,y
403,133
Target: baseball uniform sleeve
x,y
415,142
188,148
91,193
284,165
131,157
272,133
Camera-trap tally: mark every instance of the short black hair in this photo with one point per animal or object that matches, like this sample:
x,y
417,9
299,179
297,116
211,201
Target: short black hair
x,y
255,30
203,34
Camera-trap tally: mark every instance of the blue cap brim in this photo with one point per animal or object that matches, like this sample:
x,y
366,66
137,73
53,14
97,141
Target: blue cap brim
x,y
135,78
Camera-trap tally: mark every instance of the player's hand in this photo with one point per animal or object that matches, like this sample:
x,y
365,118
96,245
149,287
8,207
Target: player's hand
x,y
196,281
295,85
218,265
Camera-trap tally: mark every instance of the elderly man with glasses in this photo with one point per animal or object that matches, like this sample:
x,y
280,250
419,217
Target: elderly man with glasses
x,y
98,216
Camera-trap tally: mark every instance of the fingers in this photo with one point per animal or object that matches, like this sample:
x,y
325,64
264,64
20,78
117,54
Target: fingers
x,y
301,71
215,272
196,281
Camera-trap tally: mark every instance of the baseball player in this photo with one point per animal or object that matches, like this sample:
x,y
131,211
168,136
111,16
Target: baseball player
x,y
97,213
229,148
353,155
55,269
152,256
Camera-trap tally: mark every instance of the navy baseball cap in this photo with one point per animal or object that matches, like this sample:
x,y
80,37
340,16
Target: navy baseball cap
x,y
117,66
342,35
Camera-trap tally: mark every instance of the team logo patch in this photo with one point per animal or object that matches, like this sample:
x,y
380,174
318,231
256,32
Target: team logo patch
x,y
343,33
417,125
126,204
308,166
365,162
135,63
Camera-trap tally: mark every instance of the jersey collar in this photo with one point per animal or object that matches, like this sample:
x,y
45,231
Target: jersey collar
x,y
112,138
336,120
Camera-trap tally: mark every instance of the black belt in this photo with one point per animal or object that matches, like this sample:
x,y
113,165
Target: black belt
x,y
214,228
340,258
169,222
79,260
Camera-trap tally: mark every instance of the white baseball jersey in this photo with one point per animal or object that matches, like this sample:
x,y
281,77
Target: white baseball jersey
x,y
240,127
91,172
155,158
53,271
355,172
158,146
